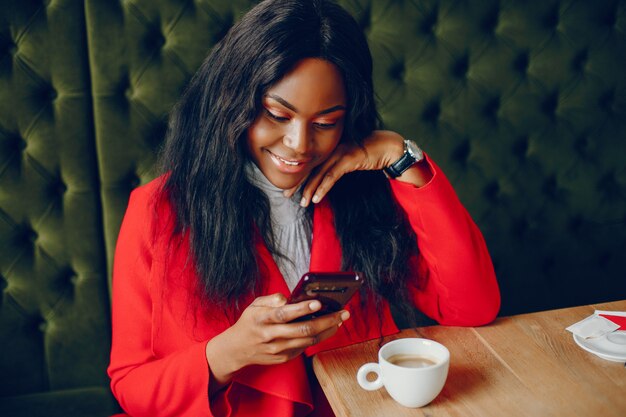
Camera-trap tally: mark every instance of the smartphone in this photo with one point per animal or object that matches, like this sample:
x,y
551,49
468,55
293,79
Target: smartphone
x,y
332,289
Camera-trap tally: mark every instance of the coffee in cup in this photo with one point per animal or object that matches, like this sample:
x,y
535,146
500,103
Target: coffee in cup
x,y
409,360
412,370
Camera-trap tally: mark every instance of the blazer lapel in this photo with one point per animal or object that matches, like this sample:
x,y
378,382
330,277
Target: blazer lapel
x,y
274,281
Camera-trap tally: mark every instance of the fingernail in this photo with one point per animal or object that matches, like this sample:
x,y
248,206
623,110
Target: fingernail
x,y
316,198
345,316
315,305
303,202
340,323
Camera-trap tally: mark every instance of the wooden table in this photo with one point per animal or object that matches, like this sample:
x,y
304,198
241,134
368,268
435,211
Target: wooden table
x,y
526,365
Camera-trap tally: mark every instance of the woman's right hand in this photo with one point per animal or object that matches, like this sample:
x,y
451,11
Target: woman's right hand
x,y
263,335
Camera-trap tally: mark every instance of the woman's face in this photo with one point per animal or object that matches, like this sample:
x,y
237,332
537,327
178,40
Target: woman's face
x,y
300,124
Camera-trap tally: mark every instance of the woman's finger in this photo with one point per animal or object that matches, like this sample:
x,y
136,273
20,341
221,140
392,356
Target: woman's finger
x,y
291,347
308,328
315,179
289,312
341,167
330,178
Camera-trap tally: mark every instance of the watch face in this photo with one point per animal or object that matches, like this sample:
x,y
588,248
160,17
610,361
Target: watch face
x,y
414,150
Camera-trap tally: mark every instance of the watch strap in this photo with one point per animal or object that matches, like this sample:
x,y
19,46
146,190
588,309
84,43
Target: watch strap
x,y
406,160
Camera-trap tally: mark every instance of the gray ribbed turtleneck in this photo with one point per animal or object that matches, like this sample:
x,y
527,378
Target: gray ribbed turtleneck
x,y
291,225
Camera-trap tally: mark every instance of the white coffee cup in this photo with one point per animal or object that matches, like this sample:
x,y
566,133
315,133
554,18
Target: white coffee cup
x,y
417,377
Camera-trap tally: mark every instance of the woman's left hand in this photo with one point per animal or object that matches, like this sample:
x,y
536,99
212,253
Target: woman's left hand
x,y
379,150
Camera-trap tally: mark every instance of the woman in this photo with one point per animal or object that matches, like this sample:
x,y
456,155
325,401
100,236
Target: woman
x,y
273,166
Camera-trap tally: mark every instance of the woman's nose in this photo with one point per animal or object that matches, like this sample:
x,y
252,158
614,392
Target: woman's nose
x,y
298,138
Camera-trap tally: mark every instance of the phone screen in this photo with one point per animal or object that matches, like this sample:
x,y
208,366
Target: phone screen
x,y
332,289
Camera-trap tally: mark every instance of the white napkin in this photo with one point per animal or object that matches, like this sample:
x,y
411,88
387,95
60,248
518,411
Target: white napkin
x,y
593,326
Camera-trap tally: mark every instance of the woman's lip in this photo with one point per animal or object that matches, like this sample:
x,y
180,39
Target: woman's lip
x,y
287,166
290,161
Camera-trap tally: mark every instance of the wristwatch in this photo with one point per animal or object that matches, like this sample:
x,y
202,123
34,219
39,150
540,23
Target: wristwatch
x,y
412,155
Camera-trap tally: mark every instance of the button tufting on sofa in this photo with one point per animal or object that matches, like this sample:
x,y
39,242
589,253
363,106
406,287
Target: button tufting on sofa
x,y
8,48
521,63
550,20
154,39
12,143
431,112
133,181
428,24
490,20
461,153
606,101
66,277
43,326
519,147
49,93
460,67
396,72
579,62
24,236
3,286
128,92
490,109
610,188
154,134
492,191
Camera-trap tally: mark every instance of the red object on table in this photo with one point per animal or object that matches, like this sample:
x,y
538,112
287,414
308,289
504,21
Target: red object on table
x,y
621,320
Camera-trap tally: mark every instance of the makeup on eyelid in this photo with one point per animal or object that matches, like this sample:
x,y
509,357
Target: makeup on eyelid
x,y
279,113
325,123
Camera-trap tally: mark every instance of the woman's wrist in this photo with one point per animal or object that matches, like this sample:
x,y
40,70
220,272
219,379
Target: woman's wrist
x,y
395,149
221,365
419,174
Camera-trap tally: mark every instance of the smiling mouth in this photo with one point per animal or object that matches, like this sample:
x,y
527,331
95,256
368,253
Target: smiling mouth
x,y
287,161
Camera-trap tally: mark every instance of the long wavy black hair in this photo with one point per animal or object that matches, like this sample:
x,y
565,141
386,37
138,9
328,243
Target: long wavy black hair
x,y
205,154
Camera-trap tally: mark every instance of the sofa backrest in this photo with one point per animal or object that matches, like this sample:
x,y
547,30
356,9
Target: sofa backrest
x,y
523,104
54,325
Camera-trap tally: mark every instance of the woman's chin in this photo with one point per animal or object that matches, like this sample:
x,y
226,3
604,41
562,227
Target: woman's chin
x,y
285,181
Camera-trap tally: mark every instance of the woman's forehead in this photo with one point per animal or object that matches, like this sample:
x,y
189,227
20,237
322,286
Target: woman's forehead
x,y
312,85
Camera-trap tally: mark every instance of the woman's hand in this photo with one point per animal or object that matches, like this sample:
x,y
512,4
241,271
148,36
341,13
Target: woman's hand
x,y
263,335
381,149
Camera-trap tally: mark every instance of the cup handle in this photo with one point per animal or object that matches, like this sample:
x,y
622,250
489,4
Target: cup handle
x,y
365,370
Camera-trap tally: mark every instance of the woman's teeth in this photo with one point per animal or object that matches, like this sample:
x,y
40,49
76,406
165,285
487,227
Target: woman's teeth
x,y
286,162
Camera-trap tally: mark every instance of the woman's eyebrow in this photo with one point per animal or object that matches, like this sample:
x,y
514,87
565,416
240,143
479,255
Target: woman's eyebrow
x,y
293,108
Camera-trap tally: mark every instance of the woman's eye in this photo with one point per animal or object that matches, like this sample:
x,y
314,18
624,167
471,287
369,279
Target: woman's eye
x,y
325,125
275,117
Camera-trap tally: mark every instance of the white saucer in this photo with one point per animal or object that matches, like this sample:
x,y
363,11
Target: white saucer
x,y
611,346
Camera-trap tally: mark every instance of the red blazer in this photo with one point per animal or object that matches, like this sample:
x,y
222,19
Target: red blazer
x,y
158,365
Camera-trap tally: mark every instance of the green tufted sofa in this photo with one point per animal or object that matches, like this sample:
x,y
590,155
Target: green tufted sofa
x,y
523,103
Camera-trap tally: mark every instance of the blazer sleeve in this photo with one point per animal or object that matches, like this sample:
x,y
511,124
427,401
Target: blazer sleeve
x,y
457,284
144,385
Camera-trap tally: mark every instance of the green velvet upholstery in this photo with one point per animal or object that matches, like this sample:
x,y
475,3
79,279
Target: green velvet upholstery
x,y
523,104
54,314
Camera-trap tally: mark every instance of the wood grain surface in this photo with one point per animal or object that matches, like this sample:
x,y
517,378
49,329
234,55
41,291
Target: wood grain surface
x,y
517,366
